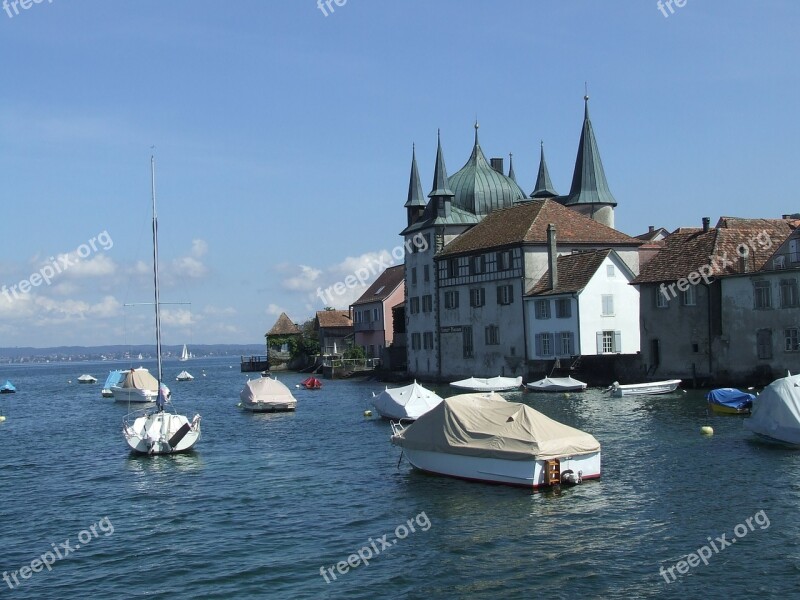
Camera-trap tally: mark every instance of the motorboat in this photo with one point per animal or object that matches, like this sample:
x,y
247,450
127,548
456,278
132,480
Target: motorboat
x,y
158,431
492,384
184,376
407,403
266,395
7,388
138,386
776,414
487,439
644,389
114,379
556,384
87,379
730,401
312,383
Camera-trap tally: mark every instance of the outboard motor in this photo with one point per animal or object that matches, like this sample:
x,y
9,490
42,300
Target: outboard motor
x,y
569,477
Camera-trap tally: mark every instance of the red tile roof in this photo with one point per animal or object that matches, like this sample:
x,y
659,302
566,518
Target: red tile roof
x,y
284,326
333,318
527,224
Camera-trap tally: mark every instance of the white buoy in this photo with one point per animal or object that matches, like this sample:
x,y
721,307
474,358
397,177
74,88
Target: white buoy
x,y
2,419
707,430
367,413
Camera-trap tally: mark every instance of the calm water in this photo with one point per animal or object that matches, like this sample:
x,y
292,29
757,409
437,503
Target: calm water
x,y
267,500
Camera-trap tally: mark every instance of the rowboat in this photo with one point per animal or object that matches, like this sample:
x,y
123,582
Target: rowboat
x,y
730,401
644,389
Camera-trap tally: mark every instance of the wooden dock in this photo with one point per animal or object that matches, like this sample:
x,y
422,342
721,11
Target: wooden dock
x,y
251,364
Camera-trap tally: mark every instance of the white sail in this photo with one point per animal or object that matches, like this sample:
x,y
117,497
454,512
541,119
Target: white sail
x,y
185,353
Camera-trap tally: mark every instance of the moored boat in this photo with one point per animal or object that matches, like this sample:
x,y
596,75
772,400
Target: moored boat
x,y
266,395
87,379
407,403
312,383
644,389
556,384
776,413
490,440
138,385
184,376
730,401
114,379
491,384
7,388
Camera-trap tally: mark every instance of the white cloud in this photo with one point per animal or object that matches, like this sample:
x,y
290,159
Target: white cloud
x,y
274,310
304,280
199,248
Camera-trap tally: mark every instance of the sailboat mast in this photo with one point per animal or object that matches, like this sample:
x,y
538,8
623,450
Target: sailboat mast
x,y
155,276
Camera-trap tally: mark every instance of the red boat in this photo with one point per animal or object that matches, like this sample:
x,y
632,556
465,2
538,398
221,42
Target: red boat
x,y
312,383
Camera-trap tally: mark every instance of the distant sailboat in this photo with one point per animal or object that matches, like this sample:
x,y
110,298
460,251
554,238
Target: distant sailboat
x,y
185,353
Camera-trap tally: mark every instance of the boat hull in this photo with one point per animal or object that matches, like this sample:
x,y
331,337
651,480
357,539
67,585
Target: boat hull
x,y
519,473
133,395
721,409
646,389
161,433
269,407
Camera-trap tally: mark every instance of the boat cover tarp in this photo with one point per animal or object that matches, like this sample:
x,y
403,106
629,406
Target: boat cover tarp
x,y
141,379
114,377
266,390
184,375
409,402
776,413
87,378
487,385
730,397
556,383
475,425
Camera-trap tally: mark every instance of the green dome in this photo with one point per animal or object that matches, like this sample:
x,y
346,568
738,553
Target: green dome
x,y
479,189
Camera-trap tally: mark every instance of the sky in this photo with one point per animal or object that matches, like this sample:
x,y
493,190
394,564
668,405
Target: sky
x,y
282,135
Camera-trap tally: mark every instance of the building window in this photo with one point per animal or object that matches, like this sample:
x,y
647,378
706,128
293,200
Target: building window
x,y
451,299
466,337
477,297
566,341
427,340
415,339
690,296
609,342
452,268
544,344
563,308
375,315
427,303
542,309
764,343
505,294
477,265
414,305
792,339
608,305
788,293
662,300
413,275
426,273
492,335
358,316
372,350
763,294
610,272
504,260
695,348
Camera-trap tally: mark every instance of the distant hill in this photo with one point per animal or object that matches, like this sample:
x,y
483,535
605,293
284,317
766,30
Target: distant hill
x,y
117,352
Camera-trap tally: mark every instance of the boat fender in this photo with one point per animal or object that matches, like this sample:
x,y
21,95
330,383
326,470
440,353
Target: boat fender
x,y
571,478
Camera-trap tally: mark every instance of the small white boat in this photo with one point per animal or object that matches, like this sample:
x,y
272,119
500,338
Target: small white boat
x,y
488,439
87,379
409,402
776,412
556,384
114,378
644,389
266,395
184,376
492,384
138,385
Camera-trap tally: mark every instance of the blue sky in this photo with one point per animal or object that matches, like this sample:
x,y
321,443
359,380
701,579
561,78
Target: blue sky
x,y
283,138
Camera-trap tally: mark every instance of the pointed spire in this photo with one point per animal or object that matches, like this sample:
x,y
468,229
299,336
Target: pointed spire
x,y
440,185
589,185
544,187
416,197
511,174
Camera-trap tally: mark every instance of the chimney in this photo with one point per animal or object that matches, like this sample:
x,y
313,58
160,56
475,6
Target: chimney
x,y
706,223
497,164
552,256
651,229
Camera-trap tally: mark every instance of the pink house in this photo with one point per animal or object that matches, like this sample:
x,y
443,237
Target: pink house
x,y
372,312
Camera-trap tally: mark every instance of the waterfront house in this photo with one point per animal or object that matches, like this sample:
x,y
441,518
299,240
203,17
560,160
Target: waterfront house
x,y
279,337
335,331
372,312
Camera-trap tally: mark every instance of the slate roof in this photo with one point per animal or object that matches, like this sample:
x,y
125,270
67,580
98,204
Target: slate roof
x,y
333,318
527,224
544,187
574,273
688,249
386,282
284,326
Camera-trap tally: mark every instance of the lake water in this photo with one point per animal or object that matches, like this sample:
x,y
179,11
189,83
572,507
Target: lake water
x,y
267,501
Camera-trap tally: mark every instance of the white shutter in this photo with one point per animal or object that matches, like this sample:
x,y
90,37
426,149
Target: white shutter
x,y
618,342
599,342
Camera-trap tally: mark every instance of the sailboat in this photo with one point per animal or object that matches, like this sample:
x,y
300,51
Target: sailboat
x,y
185,353
158,431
